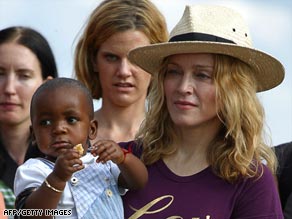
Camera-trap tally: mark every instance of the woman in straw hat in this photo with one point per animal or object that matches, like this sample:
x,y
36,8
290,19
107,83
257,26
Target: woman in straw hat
x,y
101,63
202,138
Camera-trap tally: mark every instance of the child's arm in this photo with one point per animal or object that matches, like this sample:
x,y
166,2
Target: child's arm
x,y
48,195
133,175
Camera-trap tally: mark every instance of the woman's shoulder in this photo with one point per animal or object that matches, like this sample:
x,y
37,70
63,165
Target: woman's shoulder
x,y
284,156
285,147
256,190
263,180
284,151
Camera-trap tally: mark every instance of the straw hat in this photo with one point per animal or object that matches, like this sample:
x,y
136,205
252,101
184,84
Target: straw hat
x,y
212,29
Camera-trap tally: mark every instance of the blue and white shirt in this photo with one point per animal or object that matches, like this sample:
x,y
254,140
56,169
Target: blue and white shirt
x,y
91,192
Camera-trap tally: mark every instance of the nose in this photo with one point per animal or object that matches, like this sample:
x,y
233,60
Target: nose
x,y
9,84
124,69
186,85
59,128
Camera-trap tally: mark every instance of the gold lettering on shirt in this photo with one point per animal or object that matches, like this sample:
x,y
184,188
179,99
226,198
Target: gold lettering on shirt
x,y
144,210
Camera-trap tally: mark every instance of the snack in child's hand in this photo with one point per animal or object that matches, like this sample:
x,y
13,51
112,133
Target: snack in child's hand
x,y
79,148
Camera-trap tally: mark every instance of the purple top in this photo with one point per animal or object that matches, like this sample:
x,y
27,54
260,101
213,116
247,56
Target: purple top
x,y
202,196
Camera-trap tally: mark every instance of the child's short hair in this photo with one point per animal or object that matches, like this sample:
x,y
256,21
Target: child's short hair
x,y
62,83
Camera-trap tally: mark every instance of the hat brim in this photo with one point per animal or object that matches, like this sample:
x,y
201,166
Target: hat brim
x,y
269,71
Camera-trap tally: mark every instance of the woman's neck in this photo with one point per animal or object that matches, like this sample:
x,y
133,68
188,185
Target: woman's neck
x,y
190,156
15,140
191,146
119,123
193,138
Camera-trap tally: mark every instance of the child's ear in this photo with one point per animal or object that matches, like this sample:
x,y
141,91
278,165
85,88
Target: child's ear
x,y
93,129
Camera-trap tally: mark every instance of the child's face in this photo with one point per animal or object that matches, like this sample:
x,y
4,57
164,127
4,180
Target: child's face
x,y
61,120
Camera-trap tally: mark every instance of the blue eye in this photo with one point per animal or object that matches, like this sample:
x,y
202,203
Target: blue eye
x,y
202,75
173,72
111,57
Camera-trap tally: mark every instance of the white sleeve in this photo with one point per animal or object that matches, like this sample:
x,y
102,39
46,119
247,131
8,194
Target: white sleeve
x,y
30,174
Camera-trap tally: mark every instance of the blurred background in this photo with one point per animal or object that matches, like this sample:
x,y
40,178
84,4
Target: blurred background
x,y
270,21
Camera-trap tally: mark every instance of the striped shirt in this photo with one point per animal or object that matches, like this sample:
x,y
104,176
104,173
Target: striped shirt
x,y
91,192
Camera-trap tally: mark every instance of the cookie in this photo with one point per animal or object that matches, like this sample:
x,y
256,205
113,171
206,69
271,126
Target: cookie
x,y
79,148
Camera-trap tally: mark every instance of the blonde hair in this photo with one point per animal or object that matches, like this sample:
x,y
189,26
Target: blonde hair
x,y
239,149
110,17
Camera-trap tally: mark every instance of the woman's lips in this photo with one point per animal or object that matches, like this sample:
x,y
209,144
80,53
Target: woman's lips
x,y
124,86
184,104
8,106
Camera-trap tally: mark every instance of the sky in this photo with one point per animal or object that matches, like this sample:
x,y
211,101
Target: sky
x,y
270,22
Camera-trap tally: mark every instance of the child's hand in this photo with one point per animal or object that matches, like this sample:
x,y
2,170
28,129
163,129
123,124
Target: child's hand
x,y
107,150
66,164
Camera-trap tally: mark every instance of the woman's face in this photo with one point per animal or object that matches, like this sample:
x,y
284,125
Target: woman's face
x,y
122,82
20,76
190,90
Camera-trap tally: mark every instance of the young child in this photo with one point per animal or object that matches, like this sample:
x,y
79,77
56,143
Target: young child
x,y
62,117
